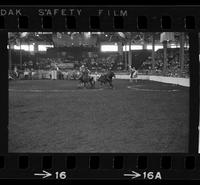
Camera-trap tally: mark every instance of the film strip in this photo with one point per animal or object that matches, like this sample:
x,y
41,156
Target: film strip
x,y
100,133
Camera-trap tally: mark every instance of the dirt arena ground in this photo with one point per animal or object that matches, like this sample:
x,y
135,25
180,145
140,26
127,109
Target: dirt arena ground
x,y
57,116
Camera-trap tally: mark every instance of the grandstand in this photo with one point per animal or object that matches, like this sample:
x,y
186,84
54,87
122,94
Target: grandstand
x,y
77,52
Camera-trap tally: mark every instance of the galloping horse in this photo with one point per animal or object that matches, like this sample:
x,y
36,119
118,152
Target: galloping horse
x,y
107,78
85,79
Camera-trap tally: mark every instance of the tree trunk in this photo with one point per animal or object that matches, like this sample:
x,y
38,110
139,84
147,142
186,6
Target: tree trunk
x,y
165,56
153,51
181,58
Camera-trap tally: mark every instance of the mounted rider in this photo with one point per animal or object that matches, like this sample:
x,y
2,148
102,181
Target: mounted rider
x,y
96,76
110,73
107,77
84,70
85,76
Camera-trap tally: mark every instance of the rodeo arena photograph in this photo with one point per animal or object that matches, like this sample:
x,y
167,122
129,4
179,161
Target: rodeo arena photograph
x,y
100,92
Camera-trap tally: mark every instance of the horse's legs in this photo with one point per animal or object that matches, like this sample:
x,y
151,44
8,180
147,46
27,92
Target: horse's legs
x,y
106,82
110,83
84,85
87,83
91,84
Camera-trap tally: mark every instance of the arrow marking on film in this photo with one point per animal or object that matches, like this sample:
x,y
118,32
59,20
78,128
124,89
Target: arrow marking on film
x,y
44,174
133,175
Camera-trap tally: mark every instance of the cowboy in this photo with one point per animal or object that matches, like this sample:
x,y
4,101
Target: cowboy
x,y
16,71
96,76
131,72
135,74
82,68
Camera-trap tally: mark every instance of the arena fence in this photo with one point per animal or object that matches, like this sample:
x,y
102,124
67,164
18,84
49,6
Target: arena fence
x,y
46,74
171,80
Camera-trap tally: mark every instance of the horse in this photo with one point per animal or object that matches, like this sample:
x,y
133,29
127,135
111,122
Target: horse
x,y
107,78
13,75
85,79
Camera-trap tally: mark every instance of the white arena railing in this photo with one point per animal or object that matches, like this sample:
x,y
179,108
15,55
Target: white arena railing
x,y
171,80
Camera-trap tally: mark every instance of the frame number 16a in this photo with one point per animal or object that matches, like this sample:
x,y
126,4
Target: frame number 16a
x,y
152,175
146,175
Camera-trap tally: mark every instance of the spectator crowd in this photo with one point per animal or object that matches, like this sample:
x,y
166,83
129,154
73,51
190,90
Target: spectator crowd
x,y
68,68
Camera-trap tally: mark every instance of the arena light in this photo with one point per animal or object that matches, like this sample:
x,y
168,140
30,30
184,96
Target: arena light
x,y
16,47
133,47
126,48
109,48
178,46
136,47
24,47
157,47
27,47
31,48
174,46
44,47
140,47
